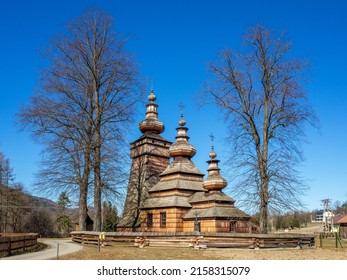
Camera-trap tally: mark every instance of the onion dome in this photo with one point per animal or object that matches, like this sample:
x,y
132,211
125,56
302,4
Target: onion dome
x,y
151,122
182,148
214,180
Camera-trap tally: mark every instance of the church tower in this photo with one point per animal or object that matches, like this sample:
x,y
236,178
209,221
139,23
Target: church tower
x,y
213,210
169,199
150,157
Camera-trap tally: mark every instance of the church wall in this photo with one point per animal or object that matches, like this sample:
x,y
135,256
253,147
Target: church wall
x,y
217,225
147,146
205,226
222,226
188,226
174,221
144,169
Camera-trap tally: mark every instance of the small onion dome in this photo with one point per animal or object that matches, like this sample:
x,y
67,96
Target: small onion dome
x,y
213,154
151,122
214,180
182,147
152,97
182,122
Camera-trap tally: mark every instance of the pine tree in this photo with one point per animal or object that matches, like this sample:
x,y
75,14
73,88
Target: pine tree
x,y
63,220
110,214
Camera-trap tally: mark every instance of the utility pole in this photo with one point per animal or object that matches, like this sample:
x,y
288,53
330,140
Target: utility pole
x,y
327,218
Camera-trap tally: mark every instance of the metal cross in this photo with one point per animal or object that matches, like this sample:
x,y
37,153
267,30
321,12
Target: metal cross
x,y
152,85
212,137
181,106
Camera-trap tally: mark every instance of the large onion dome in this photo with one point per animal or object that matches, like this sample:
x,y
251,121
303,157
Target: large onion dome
x,y
151,122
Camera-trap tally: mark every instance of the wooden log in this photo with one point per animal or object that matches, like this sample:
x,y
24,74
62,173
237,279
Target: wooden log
x,y
188,239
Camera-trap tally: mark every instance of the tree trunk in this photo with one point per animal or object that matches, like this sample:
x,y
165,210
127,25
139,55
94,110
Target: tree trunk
x,y
97,191
82,210
264,197
97,162
263,211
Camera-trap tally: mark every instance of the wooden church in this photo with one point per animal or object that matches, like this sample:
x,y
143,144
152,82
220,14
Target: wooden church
x,y
173,196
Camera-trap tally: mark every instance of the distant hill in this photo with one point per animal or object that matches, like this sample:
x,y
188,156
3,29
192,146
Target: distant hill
x,y
51,206
41,202
17,197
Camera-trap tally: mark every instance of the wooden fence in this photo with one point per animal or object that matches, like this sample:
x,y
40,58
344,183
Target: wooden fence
x,y
14,243
202,240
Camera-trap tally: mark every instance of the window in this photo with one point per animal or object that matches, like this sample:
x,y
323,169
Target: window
x,y
163,219
232,226
149,220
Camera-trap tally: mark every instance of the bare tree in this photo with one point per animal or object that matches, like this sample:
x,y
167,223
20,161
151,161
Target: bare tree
x,y
261,93
141,180
6,181
16,199
85,104
41,221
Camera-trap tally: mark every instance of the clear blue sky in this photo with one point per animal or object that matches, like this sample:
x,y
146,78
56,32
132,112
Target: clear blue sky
x,y
173,42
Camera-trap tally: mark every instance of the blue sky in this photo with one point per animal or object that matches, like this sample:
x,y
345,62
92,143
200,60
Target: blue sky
x,y
173,41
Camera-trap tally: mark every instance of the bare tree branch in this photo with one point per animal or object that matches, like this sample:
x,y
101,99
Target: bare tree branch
x,y
261,94
80,113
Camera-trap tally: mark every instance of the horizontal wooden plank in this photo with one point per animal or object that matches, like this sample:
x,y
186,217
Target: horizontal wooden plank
x,y
14,242
182,239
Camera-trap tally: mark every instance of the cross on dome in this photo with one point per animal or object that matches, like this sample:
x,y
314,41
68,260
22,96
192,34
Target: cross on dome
x,y
181,106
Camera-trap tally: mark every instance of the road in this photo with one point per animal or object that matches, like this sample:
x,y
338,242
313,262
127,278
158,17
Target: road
x,y
66,246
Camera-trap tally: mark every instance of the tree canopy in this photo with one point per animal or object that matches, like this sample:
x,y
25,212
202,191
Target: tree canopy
x,y
261,92
82,110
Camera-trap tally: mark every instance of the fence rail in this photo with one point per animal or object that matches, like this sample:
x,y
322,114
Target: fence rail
x,y
202,240
14,243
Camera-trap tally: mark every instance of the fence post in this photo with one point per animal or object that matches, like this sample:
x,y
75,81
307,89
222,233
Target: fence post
x,y
24,244
9,246
58,251
320,239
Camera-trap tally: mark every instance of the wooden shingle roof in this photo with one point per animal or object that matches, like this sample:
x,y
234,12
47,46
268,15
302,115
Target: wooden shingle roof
x,y
343,220
185,166
204,197
217,212
178,184
164,202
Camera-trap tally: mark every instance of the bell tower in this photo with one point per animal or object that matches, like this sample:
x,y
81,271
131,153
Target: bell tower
x,y
150,157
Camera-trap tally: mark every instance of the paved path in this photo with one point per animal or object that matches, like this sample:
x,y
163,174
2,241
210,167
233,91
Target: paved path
x,y
66,246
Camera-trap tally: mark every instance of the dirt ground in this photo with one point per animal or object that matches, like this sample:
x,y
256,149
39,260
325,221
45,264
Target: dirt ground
x,y
156,253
